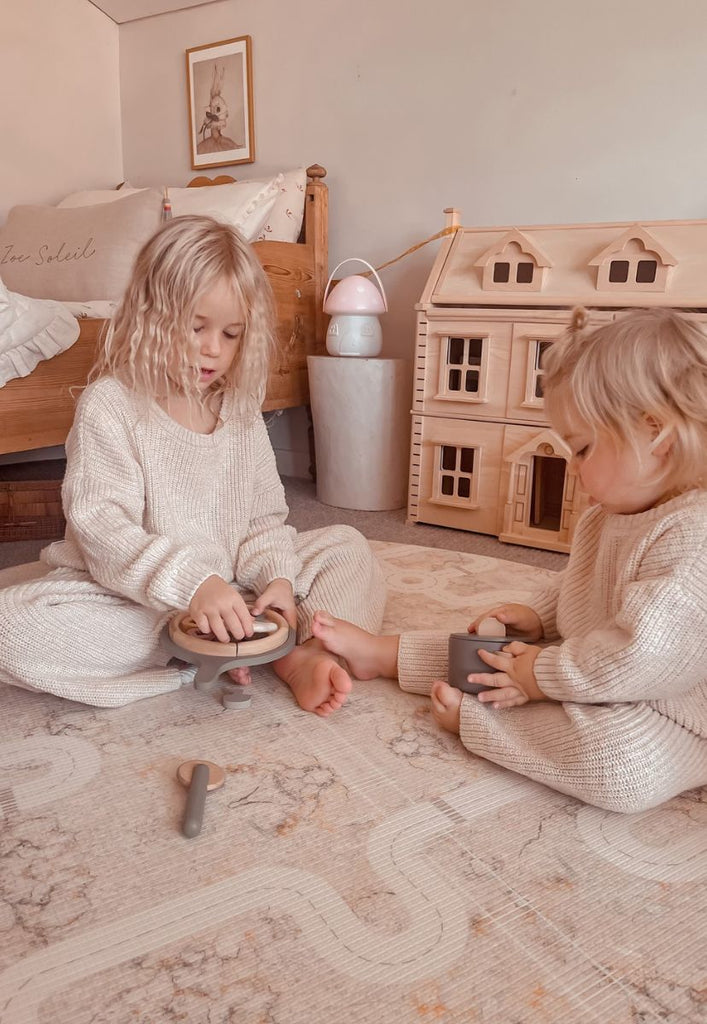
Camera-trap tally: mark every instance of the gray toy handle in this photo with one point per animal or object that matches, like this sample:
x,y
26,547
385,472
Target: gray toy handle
x,y
196,798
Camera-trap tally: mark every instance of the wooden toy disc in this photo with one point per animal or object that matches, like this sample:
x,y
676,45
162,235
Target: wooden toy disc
x,y
217,775
181,627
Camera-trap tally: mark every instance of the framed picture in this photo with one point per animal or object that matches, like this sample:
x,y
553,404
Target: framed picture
x,y
220,92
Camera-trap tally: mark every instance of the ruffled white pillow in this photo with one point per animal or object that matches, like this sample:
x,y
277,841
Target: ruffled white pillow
x,y
31,330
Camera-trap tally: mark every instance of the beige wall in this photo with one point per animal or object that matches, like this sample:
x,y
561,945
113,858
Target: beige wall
x,y
516,112
59,100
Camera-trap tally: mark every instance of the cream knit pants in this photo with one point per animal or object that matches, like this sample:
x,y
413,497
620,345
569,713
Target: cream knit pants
x,y
62,633
622,757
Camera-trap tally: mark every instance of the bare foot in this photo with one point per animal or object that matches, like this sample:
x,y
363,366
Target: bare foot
x,y
317,680
241,675
446,705
367,655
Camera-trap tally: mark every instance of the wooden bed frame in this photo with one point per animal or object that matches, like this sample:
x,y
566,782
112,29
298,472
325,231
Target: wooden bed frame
x,y
37,411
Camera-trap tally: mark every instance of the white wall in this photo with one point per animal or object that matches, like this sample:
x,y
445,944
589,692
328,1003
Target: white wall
x,y
59,101
516,112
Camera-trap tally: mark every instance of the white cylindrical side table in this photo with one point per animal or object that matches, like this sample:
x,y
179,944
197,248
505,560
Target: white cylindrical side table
x,y
361,418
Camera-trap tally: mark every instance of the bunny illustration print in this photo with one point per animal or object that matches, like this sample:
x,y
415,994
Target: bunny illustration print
x,y
215,118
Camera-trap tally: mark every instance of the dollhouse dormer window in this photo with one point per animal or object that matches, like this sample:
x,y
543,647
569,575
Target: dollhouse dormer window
x,y
513,264
635,261
524,272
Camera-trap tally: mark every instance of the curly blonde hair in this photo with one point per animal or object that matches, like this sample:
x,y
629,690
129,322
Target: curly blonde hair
x,y
146,345
645,364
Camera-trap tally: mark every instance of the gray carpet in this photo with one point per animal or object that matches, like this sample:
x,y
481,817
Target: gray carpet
x,y
306,513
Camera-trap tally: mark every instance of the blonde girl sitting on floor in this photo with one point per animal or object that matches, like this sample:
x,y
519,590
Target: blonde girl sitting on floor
x,y
173,501
612,708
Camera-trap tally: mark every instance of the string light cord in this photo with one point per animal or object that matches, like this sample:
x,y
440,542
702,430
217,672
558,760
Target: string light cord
x,y
413,248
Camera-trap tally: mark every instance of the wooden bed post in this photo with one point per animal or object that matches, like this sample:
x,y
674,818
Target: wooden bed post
x,y
316,233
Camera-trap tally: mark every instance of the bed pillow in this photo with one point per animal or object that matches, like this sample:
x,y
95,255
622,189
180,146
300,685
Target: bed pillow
x,y
245,205
91,197
77,254
284,222
283,219
31,330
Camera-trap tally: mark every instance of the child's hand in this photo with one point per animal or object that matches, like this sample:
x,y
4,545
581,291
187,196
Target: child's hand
x,y
278,595
519,618
446,705
514,679
218,608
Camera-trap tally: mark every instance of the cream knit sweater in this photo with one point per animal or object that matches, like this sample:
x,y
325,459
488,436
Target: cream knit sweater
x,y
153,508
632,609
630,674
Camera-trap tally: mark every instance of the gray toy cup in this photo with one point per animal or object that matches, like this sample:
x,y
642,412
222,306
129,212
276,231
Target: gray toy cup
x,y
464,658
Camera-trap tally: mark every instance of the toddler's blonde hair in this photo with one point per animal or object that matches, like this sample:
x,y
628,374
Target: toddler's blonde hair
x,y
648,363
148,340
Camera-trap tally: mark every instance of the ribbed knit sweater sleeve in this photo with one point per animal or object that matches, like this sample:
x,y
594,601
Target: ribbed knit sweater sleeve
x,y
544,603
104,502
633,608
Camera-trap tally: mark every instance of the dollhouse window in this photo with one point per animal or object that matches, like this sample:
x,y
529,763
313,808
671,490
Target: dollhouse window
x,y
618,271
541,348
513,262
455,480
524,273
461,368
537,347
646,271
641,271
514,268
636,260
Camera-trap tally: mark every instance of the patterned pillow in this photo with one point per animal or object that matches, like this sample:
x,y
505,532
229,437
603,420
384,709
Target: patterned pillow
x,y
285,221
246,204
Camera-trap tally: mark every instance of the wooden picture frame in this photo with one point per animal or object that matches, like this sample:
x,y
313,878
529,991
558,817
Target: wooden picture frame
x,y
220,103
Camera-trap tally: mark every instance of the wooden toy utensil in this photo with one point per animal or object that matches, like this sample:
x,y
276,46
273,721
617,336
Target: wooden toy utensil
x,y
199,777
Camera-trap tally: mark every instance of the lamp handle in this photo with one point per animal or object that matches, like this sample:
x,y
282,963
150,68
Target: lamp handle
x,y
356,259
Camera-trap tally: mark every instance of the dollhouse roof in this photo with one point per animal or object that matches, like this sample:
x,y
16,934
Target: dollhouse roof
x,y
572,253
514,235
649,242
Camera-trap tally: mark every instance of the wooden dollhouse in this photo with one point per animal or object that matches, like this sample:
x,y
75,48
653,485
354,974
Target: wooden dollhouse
x,y
483,456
